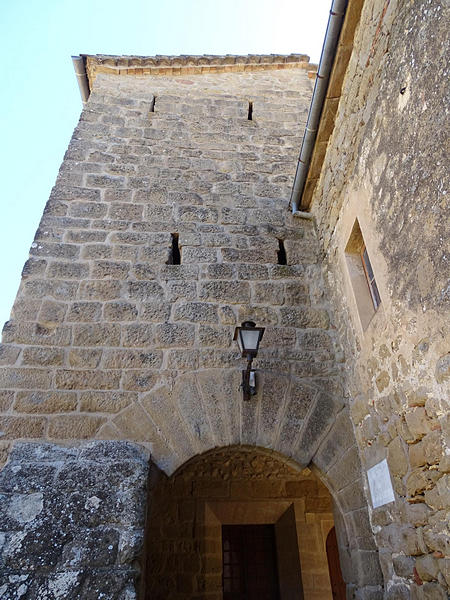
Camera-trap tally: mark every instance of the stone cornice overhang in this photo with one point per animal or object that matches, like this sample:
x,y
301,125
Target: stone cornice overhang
x,y
189,65
332,99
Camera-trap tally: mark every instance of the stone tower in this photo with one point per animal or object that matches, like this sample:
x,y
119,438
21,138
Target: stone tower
x,y
127,442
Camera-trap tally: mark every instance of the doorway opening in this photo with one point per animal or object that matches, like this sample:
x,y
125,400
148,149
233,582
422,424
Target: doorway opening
x,y
238,522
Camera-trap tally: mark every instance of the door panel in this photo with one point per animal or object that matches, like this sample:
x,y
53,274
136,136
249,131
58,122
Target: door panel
x,y
249,562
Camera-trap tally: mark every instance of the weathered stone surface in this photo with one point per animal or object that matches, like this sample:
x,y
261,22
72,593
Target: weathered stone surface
x,y
181,290
443,368
96,251
403,565
347,469
397,459
427,451
138,335
41,356
233,292
74,427
170,334
70,270
87,358
44,334
438,497
8,354
71,542
432,591
84,311
427,567
71,379
21,378
143,290
198,312
45,402
100,290
105,401
301,397
336,442
106,269
155,311
96,335
399,592
367,568
17,427
417,421
304,318
6,399
55,250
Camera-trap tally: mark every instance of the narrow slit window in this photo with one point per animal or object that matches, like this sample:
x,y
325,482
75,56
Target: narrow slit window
x,y
281,254
152,104
250,111
175,257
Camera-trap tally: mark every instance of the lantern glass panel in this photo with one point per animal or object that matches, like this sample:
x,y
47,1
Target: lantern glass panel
x,y
250,339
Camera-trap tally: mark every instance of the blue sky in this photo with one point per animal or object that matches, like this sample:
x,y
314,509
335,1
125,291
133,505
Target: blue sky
x,y
40,102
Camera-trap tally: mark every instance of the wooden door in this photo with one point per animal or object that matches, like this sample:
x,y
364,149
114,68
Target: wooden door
x,y
249,562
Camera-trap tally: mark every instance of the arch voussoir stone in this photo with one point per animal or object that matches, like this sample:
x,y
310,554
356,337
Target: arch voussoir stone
x,y
204,409
318,421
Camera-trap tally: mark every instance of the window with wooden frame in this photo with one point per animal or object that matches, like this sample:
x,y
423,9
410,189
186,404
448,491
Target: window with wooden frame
x,y
362,276
370,277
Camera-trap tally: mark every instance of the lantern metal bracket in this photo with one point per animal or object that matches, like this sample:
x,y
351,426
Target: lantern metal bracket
x,y
248,384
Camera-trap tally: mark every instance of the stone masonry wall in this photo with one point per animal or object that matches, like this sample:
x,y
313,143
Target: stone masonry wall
x,y
72,521
108,339
386,167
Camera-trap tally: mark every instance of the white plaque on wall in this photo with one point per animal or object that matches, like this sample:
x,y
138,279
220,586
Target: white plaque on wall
x,y
380,484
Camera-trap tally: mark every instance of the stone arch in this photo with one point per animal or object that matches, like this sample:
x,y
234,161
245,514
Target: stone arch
x,y
300,418
201,410
238,482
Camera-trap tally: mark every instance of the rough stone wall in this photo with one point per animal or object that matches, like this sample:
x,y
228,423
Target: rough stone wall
x,y
109,340
386,166
72,521
185,553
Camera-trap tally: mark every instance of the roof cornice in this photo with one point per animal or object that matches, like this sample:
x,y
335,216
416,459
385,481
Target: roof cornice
x,y
95,64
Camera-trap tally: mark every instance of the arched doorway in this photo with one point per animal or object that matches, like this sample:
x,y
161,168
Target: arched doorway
x,y
198,516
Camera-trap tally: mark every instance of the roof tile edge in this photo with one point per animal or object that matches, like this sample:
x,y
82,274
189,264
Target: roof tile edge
x,y
190,64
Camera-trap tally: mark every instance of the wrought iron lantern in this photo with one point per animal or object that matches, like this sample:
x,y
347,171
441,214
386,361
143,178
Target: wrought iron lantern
x,y
248,337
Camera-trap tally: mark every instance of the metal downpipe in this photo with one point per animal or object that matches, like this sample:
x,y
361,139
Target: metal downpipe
x,y
80,72
335,20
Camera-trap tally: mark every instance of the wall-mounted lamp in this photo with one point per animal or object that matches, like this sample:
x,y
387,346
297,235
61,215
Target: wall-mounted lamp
x,y
248,337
